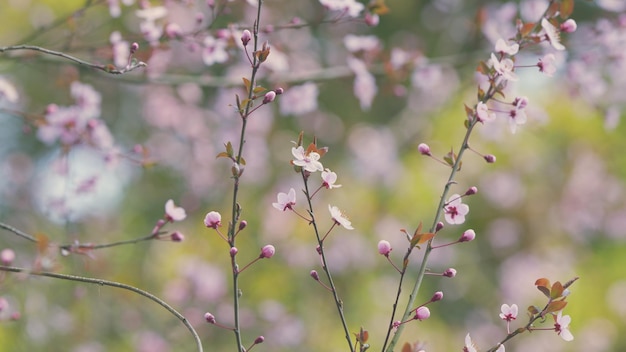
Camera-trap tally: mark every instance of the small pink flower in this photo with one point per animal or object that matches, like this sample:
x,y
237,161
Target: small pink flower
x,y
467,236
552,34
509,313
561,326
267,251
422,313
469,344
547,65
7,256
329,178
384,248
340,218
424,149
308,161
503,48
517,115
213,220
483,114
285,200
455,210
450,272
174,213
504,68
568,26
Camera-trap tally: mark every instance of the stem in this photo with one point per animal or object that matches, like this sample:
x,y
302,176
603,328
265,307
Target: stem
x,y
320,241
429,248
106,68
112,284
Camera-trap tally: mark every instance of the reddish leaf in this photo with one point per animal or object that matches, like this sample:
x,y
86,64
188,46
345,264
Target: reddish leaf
x,y
543,285
557,290
407,347
246,83
526,29
556,306
567,7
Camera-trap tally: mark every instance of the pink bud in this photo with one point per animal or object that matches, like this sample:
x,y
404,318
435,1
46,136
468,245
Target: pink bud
x,y
242,224
384,248
422,313
134,47
438,296
233,251
439,226
372,20
569,26
259,340
267,251
490,158
279,91
3,304
467,236
471,190
423,148
173,30
269,97
246,36
318,249
314,275
199,17
450,272
7,256
213,219
177,236
209,318
396,324
268,29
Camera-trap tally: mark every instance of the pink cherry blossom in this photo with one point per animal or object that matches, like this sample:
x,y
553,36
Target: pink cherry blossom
x,y
504,68
547,65
503,48
365,87
214,51
299,100
213,220
328,179
340,218
517,115
455,210
285,200
469,344
509,313
351,7
552,34
384,248
569,26
483,114
309,162
174,213
561,326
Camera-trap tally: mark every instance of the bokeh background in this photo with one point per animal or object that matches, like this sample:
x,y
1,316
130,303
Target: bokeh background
x,y
551,206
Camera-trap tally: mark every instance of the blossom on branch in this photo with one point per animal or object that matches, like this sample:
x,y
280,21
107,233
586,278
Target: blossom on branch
x,y
552,34
455,210
285,200
309,161
561,326
174,213
340,218
509,313
329,178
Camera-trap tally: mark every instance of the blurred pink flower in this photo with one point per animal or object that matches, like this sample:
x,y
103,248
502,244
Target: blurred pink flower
x,y
299,100
340,218
214,51
455,210
285,200
365,88
174,213
503,48
552,34
504,68
483,114
547,64
213,219
350,7
469,344
328,179
8,91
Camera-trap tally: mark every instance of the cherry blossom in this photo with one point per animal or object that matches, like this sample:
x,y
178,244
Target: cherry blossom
x,y
469,344
329,178
455,210
350,7
299,100
561,326
503,48
121,49
509,313
517,116
500,348
174,213
547,65
340,218
149,28
213,220
214,50
8,91
483,114
552,34
309,162
285,200
365,87
504,68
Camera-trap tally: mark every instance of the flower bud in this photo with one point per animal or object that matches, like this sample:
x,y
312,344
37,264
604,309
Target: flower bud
x,y
424,149
490,158
438,296
233,251
467,236
259,340
7,256
471,190
372,20
134,47
279,91
314,275
267,251
213,219
173,30
209,318
569,26
269,97
176,236
439,226
422,313
246,36
384,248
242,224
450,272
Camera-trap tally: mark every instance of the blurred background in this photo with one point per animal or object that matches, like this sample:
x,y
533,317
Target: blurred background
x,y
551,206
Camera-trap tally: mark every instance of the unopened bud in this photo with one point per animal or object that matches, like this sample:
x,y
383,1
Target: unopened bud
x,y
246,36
471,190
7,256
490,158
422,313
209,318
569,26
242,224
450,272
424,149
269,97
438,296
134,47
439,226
233,251
467,236
384,248
267,251
314,275
372,20
176,236
279,91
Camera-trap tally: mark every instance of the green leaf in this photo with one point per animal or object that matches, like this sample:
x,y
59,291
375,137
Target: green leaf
x,y
567,7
